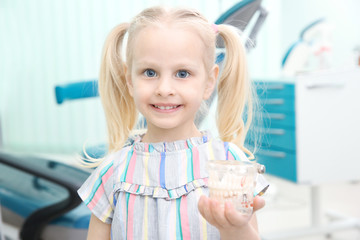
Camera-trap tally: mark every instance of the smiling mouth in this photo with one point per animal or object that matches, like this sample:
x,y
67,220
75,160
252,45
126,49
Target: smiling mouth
x,y
166,107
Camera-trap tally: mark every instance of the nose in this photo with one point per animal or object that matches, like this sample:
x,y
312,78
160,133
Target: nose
x,y
165,87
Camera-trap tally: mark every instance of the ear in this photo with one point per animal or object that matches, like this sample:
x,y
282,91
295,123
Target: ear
x,y
211,83
129,82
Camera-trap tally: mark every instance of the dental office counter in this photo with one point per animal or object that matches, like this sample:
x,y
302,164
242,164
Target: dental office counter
x,y
310,135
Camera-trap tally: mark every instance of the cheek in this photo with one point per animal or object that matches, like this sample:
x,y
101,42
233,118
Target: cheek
x,y
194,95
140,94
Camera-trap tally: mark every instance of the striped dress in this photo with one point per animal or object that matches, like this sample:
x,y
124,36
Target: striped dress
x,y
151,191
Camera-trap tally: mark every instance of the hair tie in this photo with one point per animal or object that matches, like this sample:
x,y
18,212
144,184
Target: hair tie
x,y
215,27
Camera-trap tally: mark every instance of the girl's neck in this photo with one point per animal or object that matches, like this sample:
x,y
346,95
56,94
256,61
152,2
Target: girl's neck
x,y
166,135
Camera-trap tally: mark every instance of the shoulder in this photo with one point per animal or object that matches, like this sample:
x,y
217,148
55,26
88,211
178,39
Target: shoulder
x,y
237,152
103,174
231,150
111,161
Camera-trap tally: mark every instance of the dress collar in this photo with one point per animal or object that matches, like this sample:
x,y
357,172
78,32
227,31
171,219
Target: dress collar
x,y
171,146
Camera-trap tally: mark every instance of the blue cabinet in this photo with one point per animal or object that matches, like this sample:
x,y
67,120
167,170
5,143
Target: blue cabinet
x,y
276,129
309,130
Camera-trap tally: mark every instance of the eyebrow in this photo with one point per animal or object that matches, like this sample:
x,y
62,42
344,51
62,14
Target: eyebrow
x,y
180,64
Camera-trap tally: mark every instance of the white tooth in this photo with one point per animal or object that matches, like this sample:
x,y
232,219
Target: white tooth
x,y
165,108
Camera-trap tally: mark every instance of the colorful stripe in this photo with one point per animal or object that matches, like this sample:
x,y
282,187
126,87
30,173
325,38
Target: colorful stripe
x,y
130,220
156,191
128,159
226,146
189,145
185,226
94,195
162,170
131,168
127,196
233,156
145,228
114,200
121,168
190,172
145,224
107,213
138,188
189,156
202,221
151,148
178,220
196,163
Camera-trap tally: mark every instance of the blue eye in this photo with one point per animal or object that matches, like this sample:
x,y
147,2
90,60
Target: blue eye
x,y
150,73
182,74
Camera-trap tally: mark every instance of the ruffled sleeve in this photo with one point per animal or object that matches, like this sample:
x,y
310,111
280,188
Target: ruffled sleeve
x,y
97,190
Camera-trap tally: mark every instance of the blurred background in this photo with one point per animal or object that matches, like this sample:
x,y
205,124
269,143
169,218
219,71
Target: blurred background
x,y
47,43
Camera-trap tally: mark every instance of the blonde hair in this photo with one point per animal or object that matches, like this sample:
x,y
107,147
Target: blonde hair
x,y
234,87
235,94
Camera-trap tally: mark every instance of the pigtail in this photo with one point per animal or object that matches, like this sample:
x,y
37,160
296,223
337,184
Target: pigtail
x,y
119,106
234,91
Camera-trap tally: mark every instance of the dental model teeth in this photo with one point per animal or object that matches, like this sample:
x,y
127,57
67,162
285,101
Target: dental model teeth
x,y
230,189
228,184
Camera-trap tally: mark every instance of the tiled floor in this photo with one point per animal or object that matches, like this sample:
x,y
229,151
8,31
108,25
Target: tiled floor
x,y
288,209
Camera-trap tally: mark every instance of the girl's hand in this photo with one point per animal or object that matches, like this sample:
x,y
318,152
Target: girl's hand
x,y
230,223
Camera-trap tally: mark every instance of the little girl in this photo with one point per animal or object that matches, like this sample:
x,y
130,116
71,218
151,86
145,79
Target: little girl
x,y
154,186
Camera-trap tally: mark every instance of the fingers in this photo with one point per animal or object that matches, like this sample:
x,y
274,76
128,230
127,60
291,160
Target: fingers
x,y
212,211
221,217
233,217
203,205
259,203
237,219
217,212
204,209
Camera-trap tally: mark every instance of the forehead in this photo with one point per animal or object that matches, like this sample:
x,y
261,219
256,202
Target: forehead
x,y
164,42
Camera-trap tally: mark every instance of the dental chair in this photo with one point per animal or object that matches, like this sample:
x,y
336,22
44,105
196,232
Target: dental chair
x,y
39,195
310,51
